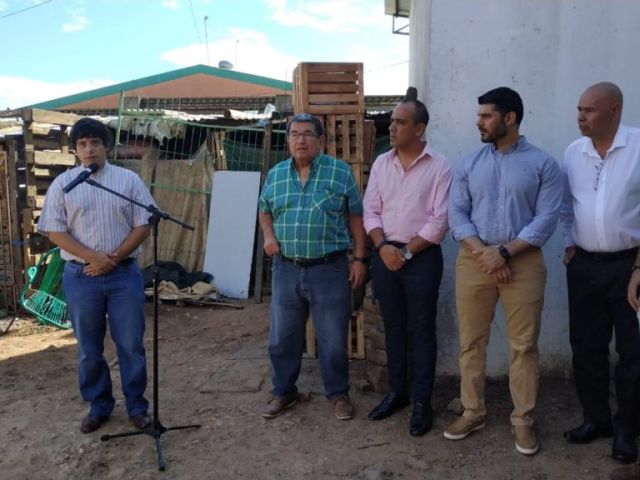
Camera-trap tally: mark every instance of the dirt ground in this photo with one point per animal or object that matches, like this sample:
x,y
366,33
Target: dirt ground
x,y
214,371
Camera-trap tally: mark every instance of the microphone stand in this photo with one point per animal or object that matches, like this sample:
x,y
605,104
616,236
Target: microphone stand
x,y
155,429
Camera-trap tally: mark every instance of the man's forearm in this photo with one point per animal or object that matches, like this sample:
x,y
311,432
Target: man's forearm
x,y
66,242
133,241
356,226
266,224
473,243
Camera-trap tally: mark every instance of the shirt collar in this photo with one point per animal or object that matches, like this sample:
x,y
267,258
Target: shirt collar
x,y
522,141
314,163
619,141
427,152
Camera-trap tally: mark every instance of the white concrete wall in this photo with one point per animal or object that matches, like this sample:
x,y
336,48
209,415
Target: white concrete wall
x,y
549,51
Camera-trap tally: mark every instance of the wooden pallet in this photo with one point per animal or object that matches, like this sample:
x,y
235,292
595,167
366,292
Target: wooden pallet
x,y
361,173
45,156
355,340
328,88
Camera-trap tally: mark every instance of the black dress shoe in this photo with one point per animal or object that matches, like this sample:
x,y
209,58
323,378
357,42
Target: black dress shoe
x,y
141,421
624,448
91,423
390,405
588,432
421,419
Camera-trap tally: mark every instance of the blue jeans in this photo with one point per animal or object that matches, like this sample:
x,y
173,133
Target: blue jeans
x,y
324,291
408,302
117,297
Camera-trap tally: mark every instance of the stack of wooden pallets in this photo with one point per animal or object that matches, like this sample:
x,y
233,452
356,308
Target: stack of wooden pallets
x,y
46,154
334,92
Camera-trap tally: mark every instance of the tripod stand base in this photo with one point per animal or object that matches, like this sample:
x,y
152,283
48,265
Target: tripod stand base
x,y
155,430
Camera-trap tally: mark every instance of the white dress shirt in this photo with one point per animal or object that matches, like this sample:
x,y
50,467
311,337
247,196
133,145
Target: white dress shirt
x,y
601,206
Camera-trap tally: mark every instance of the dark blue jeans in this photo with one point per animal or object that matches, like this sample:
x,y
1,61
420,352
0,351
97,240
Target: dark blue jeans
x,y
408,302
118,298
324,292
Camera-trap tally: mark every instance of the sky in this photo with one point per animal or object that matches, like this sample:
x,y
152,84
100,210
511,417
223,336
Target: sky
x,y
53,48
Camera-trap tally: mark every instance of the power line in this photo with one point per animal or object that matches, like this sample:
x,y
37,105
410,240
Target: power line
x,y
195,22
25,9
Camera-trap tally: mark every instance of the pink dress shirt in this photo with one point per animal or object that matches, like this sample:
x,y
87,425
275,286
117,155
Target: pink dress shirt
x,y
407,203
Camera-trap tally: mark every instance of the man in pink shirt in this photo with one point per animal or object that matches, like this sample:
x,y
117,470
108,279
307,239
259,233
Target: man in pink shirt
x,y
405,214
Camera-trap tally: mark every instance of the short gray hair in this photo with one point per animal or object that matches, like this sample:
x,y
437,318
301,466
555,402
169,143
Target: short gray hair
x,y
307,118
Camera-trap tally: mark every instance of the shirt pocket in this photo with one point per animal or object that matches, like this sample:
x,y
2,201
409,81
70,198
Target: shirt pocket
x,y
328,201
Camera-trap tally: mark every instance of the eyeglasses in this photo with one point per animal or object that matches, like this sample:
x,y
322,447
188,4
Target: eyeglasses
x,y
598,171
305,135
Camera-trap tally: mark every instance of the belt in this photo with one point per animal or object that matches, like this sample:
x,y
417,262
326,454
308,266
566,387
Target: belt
x,y
126,261
606,256
397,244
310,262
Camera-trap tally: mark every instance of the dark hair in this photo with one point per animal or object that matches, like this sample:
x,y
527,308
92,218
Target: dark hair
x,y
422,114
506,100
90,128
307,118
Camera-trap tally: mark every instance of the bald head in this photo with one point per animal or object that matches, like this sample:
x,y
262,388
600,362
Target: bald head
x,y
599,111
606,90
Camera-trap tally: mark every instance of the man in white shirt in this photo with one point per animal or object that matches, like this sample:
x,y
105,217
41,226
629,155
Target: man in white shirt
x,y
601,226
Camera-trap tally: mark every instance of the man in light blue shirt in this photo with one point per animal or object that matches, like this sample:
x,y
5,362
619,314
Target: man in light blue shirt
x,y
504,204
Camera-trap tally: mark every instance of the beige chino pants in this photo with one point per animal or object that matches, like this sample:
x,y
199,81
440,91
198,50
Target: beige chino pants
x,y
477,294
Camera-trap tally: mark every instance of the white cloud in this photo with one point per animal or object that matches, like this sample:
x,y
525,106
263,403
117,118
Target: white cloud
x,y
172,4
16,92
250,52
79,22
386,69
327,15
3,5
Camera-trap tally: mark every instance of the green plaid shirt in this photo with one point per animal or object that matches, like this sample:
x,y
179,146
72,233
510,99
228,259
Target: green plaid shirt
x,y
311,221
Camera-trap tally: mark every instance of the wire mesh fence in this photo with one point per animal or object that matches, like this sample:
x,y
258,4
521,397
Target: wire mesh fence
x,y
176,136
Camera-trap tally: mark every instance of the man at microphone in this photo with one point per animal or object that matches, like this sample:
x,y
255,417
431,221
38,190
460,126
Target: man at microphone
x,y
99,236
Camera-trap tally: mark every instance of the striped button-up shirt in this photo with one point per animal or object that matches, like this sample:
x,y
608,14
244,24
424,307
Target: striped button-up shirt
x,y
310,221
502,196
97,219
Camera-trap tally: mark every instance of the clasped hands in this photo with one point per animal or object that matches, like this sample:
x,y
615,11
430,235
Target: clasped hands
x,y
492,263
100,263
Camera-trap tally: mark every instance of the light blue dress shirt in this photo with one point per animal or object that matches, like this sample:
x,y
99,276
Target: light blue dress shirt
x,y
502,196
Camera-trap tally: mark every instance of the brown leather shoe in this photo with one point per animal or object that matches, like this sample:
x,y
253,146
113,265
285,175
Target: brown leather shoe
x,y
526,440
278,405
342,407
92,423
141,421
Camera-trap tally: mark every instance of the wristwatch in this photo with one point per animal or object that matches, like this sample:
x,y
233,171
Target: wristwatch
x,y
504,253
406,253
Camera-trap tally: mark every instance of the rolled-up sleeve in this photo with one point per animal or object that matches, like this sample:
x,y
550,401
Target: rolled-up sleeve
x,y
566,210
372,202
548,203
460,206
437,225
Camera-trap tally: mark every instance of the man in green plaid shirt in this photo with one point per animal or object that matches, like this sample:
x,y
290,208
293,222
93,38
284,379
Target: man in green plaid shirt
x,y
310,208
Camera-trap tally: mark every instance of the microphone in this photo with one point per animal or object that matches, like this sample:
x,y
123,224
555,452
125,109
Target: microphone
x,y
81,178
